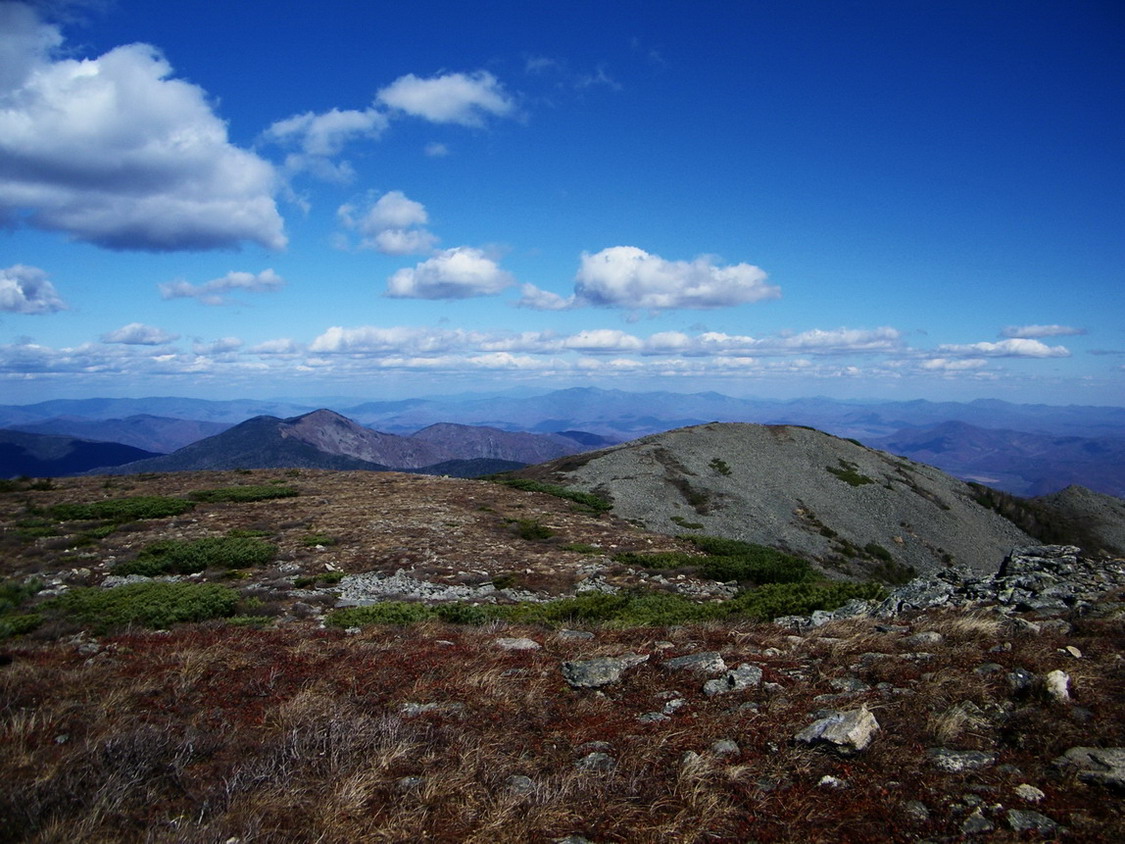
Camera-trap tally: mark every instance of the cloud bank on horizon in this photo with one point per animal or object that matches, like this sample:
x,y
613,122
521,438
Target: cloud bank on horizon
x,y
560,208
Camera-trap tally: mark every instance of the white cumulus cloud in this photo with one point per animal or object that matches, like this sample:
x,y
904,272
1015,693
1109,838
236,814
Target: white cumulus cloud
x,y
1013,348
458,273
218,290
394,224
114,151
628,277
26,290
139,334
466,99
538,299
1035,332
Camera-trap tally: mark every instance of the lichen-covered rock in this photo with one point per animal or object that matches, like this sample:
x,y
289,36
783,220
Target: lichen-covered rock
x,y
956,761
709,662
1096,765
849,731
600,671
746,676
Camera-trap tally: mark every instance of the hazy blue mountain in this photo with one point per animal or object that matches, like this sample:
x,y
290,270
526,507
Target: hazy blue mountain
x,y
325,439
234,411
1015,461
159,434
47,456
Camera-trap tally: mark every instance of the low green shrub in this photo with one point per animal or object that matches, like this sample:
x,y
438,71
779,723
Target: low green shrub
x,y
878,552
122,510
250,492
588,500
327,577
13,593
849,473
533,530
728,559
178,556
387,612
153,605
16,624
776,599
719,466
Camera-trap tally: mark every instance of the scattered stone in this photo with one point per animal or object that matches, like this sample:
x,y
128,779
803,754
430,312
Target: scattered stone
x,y
520,785
600,671
520,644
691,760
1047,579
725,747
1073,651
829,781
1056,684
652,718
410,783
977,824
956,761
710,662
848,685
1029,793
575,634
988,668
596,761
1021,680
849,731
746,676
927,637
573,839
916,811
1095,765
1025,820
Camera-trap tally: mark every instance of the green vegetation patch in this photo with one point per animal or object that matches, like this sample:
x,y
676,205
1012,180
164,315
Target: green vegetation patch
x,y
849,473
633,609
13,595
153,605
719,466
588,500
323,578
727,559
120,510
179,556
532,530
250,492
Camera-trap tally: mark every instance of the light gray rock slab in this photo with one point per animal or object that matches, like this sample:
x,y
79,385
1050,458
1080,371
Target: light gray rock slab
x,y
600,671
1096,765
848,731
709,662
956,761
746,676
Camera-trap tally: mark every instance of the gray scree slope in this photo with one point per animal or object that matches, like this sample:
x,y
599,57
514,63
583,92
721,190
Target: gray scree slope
x,y
772,484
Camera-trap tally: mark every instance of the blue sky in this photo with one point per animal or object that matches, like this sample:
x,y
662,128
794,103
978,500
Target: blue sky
x,y
856,199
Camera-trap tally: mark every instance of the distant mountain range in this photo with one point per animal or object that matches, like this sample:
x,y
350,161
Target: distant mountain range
x,y
45,456
1015,461
324,439
1023,449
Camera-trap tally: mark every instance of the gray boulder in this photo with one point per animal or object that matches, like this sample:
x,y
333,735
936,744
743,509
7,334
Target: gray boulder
x,y
1096,765
600,671
849,731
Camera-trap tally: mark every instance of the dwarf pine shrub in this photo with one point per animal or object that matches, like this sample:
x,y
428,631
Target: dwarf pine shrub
x,y
155,605
122,509
178,556
250,492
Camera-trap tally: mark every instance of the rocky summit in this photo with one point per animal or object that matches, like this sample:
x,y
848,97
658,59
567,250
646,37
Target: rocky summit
x,y
849,507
